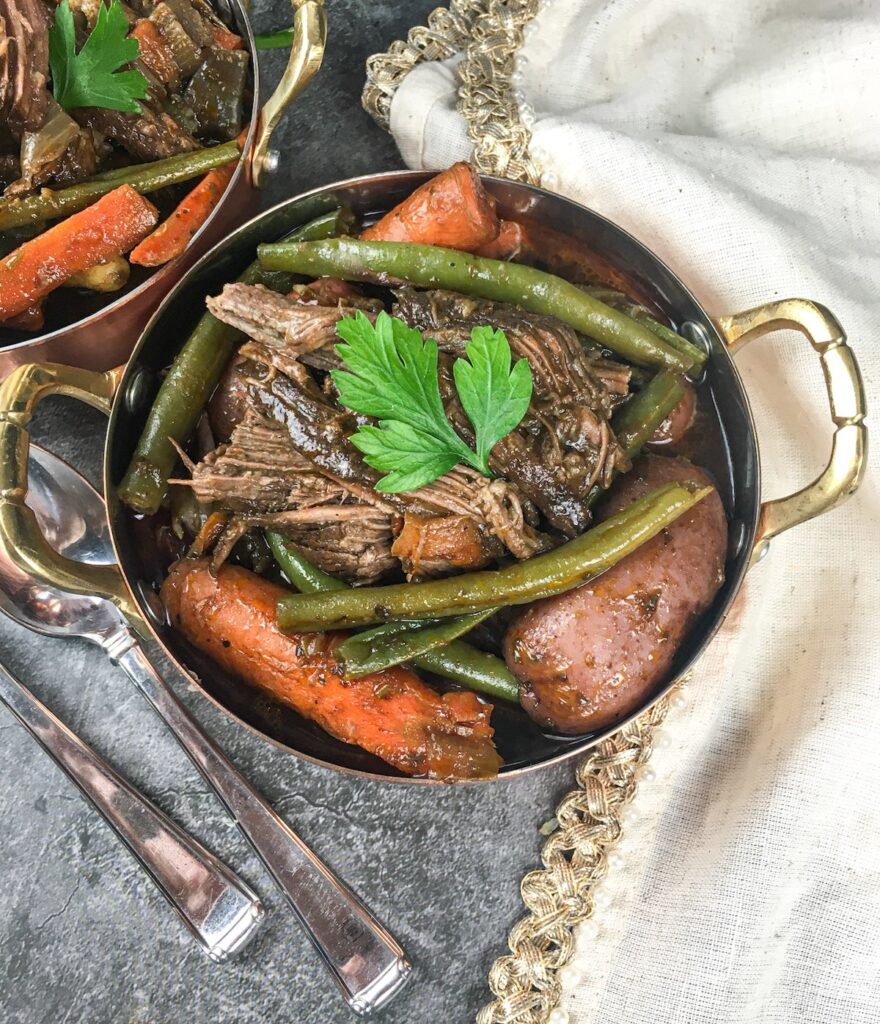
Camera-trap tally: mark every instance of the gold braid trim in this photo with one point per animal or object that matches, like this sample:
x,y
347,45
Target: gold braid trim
x,y
490,32
559,897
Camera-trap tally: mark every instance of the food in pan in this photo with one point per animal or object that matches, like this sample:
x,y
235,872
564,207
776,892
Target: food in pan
x,y
398,480
101,100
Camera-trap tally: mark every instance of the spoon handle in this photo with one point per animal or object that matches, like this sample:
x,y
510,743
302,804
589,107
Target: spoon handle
x,y
366,962
221,911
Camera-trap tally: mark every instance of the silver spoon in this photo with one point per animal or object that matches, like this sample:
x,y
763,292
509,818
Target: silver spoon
x,y
218,908
366,962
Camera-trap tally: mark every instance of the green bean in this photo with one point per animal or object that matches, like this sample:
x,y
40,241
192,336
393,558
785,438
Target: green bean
x,y
643,315
432,267
48,204
471,667
187,387
395,642
274,40
307,578
636,421
458,661
554,572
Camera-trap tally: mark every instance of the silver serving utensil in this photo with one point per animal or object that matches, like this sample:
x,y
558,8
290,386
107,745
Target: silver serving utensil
x,y
218,908
366,962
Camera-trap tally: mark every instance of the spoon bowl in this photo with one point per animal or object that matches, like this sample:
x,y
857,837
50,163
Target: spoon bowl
x,y
73,519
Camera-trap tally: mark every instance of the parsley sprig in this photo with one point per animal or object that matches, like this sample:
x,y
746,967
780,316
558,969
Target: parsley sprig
x,y
392,377
91,78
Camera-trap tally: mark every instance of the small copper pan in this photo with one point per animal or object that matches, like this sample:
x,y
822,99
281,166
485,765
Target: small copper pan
x,y
733,455
106,337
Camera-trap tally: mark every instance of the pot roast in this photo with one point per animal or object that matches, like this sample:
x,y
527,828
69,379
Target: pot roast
x,y
287,464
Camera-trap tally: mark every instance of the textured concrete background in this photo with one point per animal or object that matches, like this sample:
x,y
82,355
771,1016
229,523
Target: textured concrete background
x,y
84,937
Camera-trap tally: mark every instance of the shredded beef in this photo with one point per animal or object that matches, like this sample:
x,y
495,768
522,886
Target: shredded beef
x,y
24,65
565,445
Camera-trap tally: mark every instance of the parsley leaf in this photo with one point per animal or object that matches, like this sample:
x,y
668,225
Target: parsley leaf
x,y
494,397
392,377
91,78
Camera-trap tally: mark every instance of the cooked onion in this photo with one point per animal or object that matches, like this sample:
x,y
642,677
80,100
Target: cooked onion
x,y
45,147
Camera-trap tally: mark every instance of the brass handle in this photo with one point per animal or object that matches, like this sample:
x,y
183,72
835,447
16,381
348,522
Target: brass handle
x,y
20,536
846,394
306,54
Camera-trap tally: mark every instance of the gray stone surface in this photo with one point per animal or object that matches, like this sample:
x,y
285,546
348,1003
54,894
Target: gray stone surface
x,y
84,937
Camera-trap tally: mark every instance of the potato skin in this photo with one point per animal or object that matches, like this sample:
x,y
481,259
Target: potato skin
x,y
587,658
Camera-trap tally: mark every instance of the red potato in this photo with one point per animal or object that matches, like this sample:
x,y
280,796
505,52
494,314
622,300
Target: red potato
x,y
588,658
393,714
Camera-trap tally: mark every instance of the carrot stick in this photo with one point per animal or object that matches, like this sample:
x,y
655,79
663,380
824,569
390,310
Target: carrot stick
x,y
108,228
173,235
30,319
155,52
452,210
392,713
225,39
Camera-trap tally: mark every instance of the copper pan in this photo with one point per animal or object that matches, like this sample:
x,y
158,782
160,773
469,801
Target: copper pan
x,y
127,394
106,337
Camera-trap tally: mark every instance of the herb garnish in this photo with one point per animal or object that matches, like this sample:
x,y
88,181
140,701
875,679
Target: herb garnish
x,y
393,378
91,78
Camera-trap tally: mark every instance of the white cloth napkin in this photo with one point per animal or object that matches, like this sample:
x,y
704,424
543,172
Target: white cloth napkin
x,y
741,142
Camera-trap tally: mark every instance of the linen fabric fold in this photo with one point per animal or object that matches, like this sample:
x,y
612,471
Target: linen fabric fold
x,y
740,142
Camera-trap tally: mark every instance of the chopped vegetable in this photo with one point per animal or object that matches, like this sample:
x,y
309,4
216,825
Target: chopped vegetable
x,y
109,276
430,267
187,387
16,211
396,642
30,319
111,227
456,660
508,244
634,424
393,714
174,234
643,315
225,39
393,378
42,150
452,209
91,78
636,421
477,670
155,53
568,566
307,578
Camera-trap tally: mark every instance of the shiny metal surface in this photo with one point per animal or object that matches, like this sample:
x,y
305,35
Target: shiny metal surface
x,y
218,908
848,461
367,963
616,256
603,249
306,55
105,338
